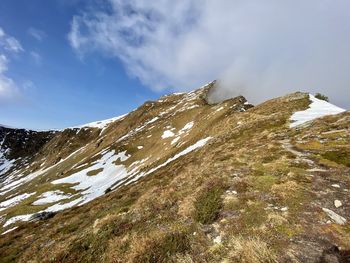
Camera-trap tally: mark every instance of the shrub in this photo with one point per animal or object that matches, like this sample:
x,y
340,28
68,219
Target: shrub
x,y
208,204
321,97
340,157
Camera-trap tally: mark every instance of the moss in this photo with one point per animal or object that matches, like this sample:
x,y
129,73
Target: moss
x,y
208,205
288,230
339,157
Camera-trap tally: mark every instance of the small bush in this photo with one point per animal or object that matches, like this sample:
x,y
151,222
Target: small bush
x,y
340,157
208,205
321,97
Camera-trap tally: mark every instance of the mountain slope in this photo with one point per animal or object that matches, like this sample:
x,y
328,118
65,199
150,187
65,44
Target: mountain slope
x,y
182,180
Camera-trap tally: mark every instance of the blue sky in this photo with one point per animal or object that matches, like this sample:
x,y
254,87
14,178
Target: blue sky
x,y
69,62
58,88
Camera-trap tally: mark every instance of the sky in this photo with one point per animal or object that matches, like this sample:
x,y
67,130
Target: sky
x,y
45,83
68,62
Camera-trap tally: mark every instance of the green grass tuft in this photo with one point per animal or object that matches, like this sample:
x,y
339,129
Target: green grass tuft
x,y
208,205
164,248
339,157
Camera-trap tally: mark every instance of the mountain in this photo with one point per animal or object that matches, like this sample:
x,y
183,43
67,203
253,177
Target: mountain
x,y
182,180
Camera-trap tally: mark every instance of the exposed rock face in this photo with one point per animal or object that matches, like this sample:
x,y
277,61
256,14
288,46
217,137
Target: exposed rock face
x,y
180,179
21,143
19,146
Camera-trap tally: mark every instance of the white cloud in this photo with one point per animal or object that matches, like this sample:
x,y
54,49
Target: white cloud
x,y
9,43
8,88
3,63
37,33
258,48
36,57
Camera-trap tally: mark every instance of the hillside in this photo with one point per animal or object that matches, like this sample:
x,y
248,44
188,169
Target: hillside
x,y
182,180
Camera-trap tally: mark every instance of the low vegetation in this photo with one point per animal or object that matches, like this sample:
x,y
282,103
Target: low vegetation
x,y
253,194
340,157
321,97
208,204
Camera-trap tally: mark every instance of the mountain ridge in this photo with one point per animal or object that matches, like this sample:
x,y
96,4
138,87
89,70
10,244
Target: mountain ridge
x,y
180,179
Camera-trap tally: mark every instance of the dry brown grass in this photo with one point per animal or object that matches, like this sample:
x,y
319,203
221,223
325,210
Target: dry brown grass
x,y
285,190
251,250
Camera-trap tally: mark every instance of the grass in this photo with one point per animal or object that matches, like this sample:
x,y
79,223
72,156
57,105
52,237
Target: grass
x,y
251,250
264,182
94,172
339,157
253,215
163,247
160,218
208,204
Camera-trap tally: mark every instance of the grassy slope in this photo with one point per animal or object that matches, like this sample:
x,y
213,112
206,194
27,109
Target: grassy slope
x,y
249,196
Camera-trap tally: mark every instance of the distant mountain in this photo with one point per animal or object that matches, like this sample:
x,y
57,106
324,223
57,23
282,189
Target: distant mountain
x,y
182,180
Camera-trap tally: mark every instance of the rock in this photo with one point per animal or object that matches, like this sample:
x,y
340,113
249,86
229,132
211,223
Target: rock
x,y
42,216
334,216
334,254
336,185
284,209
337,203
217,240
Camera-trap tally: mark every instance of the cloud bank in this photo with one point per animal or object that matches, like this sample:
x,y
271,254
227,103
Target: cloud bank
x,y
8,88
260,49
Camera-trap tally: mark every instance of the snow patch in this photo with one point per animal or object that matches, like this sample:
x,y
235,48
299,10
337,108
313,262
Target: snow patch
x,y
15,219
188,126
51,197
317,109
14,201
99,124
5,164
185,129
175,140
9,230
95,185
189,149
167,134
62,206
15,180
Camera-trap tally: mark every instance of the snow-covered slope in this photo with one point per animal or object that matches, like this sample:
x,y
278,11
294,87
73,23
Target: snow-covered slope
x,y
99,124
317,109
95,164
